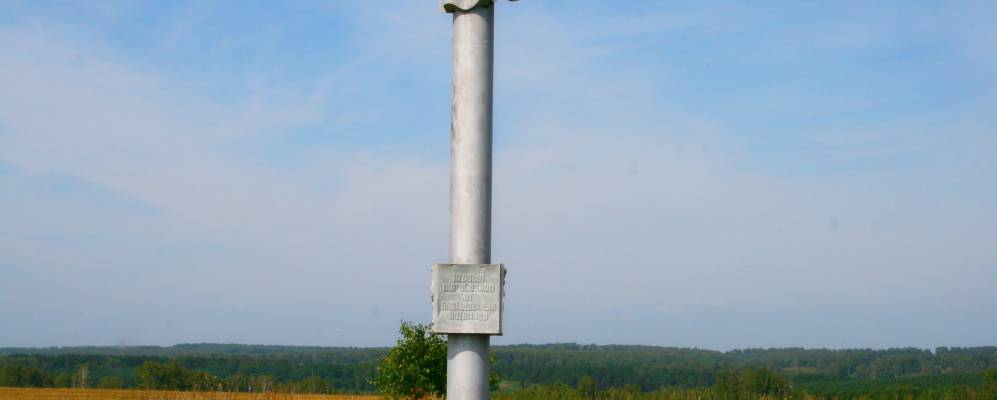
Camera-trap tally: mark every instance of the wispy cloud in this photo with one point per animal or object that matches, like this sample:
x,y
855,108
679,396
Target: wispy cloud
x,y
672,188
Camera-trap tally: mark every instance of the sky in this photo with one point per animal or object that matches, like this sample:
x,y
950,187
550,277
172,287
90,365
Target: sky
x,y
717,175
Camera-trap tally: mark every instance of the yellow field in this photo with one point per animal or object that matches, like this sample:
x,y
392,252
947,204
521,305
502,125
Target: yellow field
x,y
105,394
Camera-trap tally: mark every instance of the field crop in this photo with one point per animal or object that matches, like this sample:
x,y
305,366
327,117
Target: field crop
x,y
106,394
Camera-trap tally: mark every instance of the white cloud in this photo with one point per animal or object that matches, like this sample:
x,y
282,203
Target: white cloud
x,y
623,216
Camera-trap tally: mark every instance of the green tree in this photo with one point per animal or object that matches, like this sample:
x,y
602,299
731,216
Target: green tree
x,y
416,367
989,389
21,376
82,377
62,380
587,386
493,377
750,382
172,376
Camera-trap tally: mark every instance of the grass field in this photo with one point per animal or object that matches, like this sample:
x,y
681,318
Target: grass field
x,y
106,394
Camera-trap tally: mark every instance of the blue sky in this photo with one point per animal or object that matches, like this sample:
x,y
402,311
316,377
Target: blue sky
x,y
721,175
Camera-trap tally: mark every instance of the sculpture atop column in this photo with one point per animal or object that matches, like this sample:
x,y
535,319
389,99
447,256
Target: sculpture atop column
x,y
463,5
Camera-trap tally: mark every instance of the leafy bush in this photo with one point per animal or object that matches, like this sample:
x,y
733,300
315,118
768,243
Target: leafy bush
x,y
416,367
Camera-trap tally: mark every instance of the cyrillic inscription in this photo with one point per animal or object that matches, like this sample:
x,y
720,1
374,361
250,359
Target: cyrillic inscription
x,y
469,287
467,298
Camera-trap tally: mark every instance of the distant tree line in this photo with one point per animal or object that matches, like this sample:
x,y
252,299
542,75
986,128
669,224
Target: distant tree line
x,y
651,368
586,369
346,371
751,384
169,375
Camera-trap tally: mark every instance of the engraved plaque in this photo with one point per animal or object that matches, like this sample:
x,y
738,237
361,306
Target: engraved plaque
x,y
467,298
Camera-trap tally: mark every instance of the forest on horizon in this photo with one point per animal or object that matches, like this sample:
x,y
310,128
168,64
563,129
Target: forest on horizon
x,y
307,369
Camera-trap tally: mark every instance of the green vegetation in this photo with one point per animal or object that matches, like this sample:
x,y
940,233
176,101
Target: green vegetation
x,y
416,367
195,367
23,376
751,382
754,384
553,371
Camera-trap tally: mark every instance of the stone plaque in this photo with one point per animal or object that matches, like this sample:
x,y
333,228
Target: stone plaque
x,y
467,298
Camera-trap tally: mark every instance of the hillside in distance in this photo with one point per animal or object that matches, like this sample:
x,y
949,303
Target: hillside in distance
x,y
349,369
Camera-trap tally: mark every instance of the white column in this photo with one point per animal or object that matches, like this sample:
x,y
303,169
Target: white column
x,y
471,181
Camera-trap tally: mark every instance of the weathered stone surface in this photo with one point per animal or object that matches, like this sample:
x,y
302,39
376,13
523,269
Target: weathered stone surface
x,y
467,298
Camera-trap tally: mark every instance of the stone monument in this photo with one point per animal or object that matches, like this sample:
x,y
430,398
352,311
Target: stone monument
x,y
467,292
